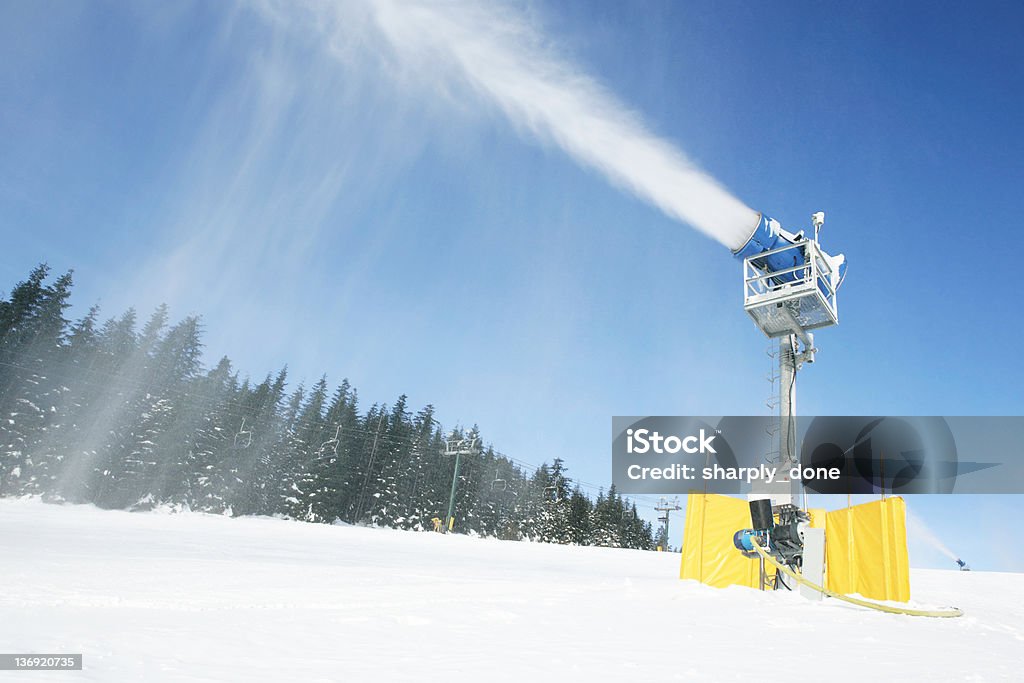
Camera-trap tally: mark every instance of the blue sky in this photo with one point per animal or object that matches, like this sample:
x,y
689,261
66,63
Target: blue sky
x,y
322,204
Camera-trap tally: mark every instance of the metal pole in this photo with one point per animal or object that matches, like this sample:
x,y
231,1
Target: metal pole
x,y
787,399
787,410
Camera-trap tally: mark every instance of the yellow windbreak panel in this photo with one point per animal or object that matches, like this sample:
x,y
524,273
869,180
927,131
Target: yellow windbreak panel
x,y
866,550
708,553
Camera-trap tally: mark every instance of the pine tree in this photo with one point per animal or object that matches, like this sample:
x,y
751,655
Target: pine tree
x,y
256,455
108,394
553,520
579,521
18,316
33,334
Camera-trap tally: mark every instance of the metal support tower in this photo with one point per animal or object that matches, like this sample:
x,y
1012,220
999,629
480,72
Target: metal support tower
x,y
783,490
667,507
458,448
787,303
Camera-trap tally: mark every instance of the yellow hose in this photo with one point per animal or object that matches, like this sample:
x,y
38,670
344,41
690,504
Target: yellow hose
x,y
951,612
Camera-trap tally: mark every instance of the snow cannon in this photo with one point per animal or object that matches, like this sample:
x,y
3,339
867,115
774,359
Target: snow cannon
x,y
790,282
769,243
963,565
784,539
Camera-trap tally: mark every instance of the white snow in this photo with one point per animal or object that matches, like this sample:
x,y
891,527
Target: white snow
x,y
150,596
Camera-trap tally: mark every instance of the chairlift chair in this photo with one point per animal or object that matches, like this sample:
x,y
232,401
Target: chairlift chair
x,y
243,439
331,445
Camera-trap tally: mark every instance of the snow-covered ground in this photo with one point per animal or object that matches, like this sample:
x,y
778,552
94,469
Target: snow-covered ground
x,y
150,596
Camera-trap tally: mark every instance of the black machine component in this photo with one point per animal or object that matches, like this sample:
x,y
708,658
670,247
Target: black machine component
x,y
761,517
786,543
782,539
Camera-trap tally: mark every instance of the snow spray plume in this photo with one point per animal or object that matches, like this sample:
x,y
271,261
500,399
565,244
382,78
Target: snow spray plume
x,y
919,530
505,61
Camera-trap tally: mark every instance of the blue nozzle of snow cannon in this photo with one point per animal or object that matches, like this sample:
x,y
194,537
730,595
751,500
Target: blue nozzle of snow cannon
x,y
769,235
743,540
963,565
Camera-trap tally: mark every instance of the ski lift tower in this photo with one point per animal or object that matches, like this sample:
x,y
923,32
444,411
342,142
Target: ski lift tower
x,y
789,291
458,448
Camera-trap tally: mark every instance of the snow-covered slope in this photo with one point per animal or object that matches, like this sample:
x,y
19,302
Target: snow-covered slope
x,y
197,597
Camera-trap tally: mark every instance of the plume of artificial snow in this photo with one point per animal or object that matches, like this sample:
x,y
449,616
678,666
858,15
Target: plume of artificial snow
x,y
506,62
